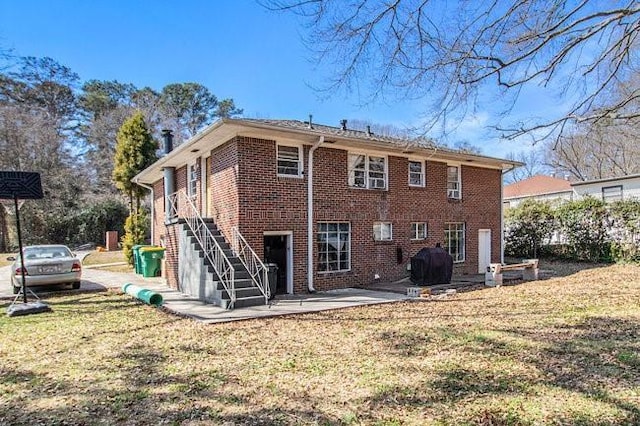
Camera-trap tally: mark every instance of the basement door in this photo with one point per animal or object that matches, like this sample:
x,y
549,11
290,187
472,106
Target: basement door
x,y
278,249
484,250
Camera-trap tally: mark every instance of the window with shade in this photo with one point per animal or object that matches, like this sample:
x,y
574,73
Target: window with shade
x,y
454,240
416,173
367,171
453,182
334,246
289,161
192,181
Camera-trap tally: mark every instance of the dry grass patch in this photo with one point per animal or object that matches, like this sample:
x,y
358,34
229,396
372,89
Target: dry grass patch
x,y
559,351
103,257
3,259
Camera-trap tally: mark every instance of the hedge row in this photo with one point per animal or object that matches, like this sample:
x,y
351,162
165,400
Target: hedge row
x,y
88,224
585,230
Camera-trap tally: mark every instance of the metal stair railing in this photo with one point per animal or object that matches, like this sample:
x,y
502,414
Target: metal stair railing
x,y
222,266
257,270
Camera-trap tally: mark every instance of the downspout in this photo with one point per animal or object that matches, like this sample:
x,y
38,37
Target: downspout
x,y
310,214
144,185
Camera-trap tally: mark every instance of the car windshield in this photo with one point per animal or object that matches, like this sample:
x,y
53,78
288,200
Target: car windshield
x,y
31,253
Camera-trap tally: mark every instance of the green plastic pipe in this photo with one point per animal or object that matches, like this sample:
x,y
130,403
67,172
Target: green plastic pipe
x,y
147,296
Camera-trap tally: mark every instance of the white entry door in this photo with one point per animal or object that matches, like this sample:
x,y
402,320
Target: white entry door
x,y
484,250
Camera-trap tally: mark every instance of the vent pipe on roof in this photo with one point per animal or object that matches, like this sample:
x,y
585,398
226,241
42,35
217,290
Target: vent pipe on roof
x,y
310,121
343,124
368,130
167,136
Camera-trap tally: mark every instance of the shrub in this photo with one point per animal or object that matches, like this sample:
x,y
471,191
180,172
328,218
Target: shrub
x,y
527,227
135,231
624,221
583,224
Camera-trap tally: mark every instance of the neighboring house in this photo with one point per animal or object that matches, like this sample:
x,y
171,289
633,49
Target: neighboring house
x,y
333,207
612,189
547,188
538,187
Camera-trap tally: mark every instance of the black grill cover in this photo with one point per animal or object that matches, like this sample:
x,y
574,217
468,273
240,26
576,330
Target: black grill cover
x,y
431,265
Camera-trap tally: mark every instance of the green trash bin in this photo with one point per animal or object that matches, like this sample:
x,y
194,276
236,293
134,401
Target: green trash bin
x,y
137,261
150,260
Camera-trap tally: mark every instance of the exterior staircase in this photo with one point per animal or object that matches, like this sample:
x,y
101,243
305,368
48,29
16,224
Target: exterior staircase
x,y
209,267
214,292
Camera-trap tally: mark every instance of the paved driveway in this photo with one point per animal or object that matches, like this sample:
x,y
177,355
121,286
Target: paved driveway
x,y
92,280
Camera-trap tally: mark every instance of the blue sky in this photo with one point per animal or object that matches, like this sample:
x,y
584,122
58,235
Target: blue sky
x,y
234,47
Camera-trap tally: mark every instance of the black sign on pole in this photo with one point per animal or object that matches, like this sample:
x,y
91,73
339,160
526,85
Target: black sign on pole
x,y
23,186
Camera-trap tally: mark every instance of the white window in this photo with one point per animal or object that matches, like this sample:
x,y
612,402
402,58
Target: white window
x,y
289,161
418,230
612,193
453,182
367,171
416,173
382,231
192,177
454,240
334,246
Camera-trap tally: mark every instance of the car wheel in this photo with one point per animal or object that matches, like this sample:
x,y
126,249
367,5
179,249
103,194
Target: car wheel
x,y
76,285
16,290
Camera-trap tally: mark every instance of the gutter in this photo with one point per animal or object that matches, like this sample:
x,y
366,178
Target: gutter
x,y
310,214
144,185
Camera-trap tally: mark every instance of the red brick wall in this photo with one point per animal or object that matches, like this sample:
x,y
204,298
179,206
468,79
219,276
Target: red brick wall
x,y
271,203
246,192
223,184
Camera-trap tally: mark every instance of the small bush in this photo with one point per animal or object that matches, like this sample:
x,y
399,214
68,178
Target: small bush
x,y
135,231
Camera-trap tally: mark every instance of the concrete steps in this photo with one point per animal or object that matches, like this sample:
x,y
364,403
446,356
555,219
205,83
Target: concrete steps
x,y
211,289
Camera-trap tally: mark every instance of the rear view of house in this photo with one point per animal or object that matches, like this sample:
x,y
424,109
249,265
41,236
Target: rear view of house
x,y
332,207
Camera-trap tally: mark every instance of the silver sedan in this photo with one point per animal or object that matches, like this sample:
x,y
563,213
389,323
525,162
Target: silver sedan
x,y
46,265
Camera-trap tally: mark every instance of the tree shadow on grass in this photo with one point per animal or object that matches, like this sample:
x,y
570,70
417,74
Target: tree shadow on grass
x,y
595,359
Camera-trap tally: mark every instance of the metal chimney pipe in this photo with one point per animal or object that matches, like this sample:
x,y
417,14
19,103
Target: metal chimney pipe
x,y
167,136
343,124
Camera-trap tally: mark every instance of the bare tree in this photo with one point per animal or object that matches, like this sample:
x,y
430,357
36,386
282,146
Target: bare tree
x,y
534,164
449,52
597,151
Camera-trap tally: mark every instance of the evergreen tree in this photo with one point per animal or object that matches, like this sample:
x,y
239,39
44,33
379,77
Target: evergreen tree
x,y
135,151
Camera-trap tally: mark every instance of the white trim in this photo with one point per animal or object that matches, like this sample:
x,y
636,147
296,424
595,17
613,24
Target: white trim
x,y
464,239
192,163
289,235
367,155
414,232
390,231
459,167
423,173
300,174
349,247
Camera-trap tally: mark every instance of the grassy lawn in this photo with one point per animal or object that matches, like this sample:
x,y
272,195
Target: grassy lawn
x,y
560,351
101,258
105,257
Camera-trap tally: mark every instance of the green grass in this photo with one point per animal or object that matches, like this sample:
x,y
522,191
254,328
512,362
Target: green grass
x,y
559,351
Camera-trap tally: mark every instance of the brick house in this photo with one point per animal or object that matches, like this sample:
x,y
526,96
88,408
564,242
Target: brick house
x,y
333,207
